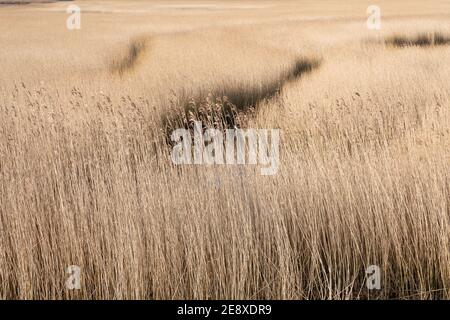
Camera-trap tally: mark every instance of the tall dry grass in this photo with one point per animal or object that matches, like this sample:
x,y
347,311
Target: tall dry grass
x,y
86,177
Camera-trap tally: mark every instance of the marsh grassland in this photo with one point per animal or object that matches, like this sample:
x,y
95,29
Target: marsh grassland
x,y
86,177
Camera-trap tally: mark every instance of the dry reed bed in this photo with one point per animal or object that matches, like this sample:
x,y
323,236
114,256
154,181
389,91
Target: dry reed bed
x,y
86,179
90,195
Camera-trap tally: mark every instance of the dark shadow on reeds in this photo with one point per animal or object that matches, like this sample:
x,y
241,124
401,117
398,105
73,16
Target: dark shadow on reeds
x,y
230,107
421,40
129,60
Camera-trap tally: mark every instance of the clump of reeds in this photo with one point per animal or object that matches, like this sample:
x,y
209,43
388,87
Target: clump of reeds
x,y
420,40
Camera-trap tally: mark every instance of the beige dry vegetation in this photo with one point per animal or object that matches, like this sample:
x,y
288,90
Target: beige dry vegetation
x,y
85,171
